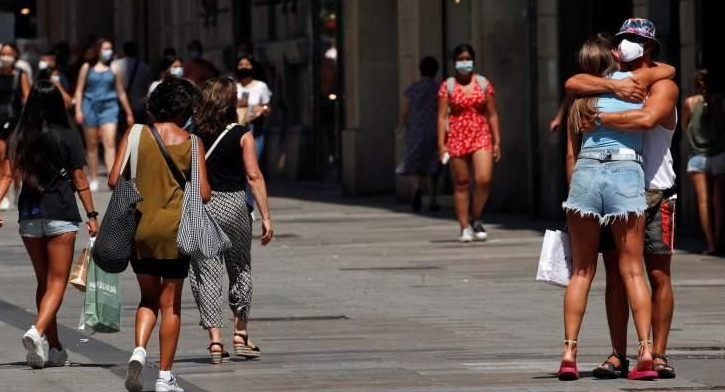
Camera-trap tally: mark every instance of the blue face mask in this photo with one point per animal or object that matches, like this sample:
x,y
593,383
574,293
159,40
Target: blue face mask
x,y
106,55
464,66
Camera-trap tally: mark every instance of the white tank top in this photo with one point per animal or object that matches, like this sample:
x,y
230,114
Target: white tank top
x,y
659,173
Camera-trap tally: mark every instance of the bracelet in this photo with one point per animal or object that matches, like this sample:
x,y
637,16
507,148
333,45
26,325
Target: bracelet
x,y
83,190
92,214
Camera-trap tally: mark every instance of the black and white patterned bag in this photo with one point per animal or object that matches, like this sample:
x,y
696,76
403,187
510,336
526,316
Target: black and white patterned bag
x,y
112,250
200,236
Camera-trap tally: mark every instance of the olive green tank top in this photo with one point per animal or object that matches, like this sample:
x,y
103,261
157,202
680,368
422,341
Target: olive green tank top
x,y
706,130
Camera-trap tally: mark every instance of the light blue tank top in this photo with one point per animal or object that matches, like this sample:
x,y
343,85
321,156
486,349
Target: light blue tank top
x,y
100,86
604,138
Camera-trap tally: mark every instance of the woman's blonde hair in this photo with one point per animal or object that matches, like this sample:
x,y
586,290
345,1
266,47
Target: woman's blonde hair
x,y
595,58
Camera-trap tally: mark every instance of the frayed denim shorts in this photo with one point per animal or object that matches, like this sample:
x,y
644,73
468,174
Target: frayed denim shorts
x,y
39,228
606,190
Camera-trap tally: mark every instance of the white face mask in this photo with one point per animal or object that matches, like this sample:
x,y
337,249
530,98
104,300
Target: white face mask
x,y
107,55
630,51
177,71
7,61
42,65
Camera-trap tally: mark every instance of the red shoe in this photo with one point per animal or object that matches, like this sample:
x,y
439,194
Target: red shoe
x,y
643,371
568,371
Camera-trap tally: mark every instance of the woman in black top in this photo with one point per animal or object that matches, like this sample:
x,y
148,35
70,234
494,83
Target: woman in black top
x,y
14,89
50,157
232,159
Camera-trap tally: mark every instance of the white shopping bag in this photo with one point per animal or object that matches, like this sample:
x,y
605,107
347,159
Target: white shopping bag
x,y
555,262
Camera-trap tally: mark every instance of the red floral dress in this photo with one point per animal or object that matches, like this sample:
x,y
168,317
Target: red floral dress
x,y
468,129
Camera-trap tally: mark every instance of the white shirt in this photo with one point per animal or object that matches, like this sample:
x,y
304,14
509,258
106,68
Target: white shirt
x,y
659,172
258,91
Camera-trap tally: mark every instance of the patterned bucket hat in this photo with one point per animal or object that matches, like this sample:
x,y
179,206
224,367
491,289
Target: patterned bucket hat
x,y
640,27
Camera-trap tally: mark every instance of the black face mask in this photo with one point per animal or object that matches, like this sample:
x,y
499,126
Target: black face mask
x,y
44,74
244,73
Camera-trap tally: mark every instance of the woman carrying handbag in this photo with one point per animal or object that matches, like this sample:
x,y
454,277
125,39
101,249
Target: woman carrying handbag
x,y
231,161
155,258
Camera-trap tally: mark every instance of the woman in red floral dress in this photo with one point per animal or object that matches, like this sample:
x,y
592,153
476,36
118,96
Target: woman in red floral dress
x,y
468,134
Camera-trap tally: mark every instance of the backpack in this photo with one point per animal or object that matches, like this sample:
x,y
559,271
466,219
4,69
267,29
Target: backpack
x,y
482,81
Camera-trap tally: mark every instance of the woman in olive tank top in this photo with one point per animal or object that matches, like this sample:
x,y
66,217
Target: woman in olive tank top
x,y
703,119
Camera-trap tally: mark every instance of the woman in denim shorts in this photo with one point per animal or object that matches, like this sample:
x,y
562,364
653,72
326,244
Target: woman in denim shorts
x,y
607,188
50,157
99,91
703,118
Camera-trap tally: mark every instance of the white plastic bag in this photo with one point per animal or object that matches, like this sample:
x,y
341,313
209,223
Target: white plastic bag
x,y
555,263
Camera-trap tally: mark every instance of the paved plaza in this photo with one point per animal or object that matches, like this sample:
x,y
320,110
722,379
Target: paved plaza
x,y
361,295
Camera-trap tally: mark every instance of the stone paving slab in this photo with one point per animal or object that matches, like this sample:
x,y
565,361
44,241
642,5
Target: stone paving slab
x,y
359,295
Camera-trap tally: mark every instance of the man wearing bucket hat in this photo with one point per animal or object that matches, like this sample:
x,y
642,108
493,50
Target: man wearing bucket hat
x,y
637,44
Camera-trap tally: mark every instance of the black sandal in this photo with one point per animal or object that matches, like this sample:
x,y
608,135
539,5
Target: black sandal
x,y
664,370
607,370
244,350
218,357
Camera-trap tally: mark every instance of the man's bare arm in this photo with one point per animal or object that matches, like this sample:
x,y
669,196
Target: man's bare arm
x,y
660,103
628,89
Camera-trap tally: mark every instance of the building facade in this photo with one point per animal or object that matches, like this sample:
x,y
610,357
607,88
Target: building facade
x,y
338,67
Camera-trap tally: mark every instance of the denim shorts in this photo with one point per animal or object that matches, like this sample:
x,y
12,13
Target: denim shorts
x,y
39,228
97,113
606,190
703,164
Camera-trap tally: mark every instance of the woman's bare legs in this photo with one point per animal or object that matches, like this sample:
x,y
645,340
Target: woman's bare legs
x,y
164,295
699,182
629,239
584,239
718,204
170,303
148,309
108,139
483,172
91,137
52,259
242,327
461,186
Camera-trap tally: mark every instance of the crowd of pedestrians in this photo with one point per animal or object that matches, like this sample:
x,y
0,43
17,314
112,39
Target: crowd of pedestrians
x,y
43,154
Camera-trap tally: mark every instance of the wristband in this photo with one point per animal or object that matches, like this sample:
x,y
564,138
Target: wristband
x,y
92,214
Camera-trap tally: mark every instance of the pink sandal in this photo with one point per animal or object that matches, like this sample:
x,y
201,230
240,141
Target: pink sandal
x,y
568,370
643,371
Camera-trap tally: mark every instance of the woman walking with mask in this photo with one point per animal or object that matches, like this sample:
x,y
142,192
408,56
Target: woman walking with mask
x,y
50,157
99,90
231,162
159,267
468,133
253,101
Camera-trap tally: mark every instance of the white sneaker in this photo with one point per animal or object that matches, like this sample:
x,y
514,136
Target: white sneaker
x,y
5,204
479,231
135,366
466,235
37,348
168,386
93,185
57,358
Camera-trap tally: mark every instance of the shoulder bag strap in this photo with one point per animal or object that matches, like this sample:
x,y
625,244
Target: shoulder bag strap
x,y
219,139
172,166
450,85
482,82
131,152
